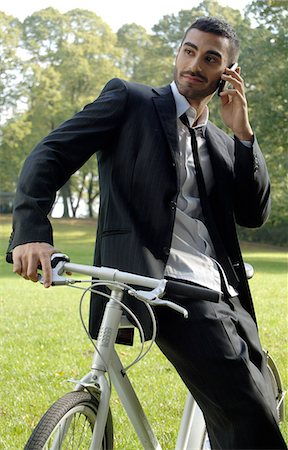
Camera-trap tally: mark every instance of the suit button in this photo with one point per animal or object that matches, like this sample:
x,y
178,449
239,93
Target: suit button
x,y
166,251
173,205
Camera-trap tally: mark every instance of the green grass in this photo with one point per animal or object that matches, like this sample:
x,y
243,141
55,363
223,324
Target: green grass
x,y
43,343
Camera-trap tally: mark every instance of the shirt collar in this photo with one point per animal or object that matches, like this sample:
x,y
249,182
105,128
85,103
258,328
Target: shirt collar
x,y
183,106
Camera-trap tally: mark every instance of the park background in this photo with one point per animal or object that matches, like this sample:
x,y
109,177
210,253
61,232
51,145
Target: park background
x,y
52,64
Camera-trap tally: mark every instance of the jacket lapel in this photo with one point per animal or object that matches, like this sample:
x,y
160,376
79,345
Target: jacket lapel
x,y
217,147
166,109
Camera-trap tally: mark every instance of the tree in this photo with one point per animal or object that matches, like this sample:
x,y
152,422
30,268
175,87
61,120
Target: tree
x,y
65,60
44,35
12,149
133,40
268,94
68,59
89,57
10,65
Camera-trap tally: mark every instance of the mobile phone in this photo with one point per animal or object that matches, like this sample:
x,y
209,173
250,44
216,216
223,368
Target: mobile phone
x,y
223,84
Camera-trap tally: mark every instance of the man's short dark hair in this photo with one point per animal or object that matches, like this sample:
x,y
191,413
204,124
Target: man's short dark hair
x,y
218,26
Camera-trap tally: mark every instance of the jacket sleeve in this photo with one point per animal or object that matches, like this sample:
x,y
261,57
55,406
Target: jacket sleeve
x,y
252,201
57,157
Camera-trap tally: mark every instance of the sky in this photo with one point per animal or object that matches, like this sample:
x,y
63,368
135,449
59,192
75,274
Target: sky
x,y
114,12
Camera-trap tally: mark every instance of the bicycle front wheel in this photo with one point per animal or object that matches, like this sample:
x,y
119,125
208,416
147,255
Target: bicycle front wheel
x,y
69,423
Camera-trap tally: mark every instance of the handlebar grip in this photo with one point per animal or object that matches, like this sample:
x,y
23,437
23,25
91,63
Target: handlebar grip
x,y
58,257
55,258
9,258
180,289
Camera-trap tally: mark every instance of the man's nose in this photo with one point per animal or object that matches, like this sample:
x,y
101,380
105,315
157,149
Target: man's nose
x,y
195,65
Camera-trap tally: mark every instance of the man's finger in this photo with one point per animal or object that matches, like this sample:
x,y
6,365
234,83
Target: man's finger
x,y
17,265
19,262
47,270
33,263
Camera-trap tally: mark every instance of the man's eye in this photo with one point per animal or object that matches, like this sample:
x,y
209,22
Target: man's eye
x,y
210,59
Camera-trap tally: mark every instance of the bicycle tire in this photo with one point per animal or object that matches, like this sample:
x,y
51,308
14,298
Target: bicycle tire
x,y
277,387
80,409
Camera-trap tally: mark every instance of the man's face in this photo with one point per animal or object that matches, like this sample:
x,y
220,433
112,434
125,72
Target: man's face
x,y
200,62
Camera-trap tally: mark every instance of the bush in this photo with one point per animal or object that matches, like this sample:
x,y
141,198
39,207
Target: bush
x,y
268,234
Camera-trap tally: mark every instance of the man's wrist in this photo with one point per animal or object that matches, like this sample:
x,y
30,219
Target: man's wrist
x,y
246,135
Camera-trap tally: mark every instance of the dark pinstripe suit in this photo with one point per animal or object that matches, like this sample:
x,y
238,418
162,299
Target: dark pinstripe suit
x,y
133,129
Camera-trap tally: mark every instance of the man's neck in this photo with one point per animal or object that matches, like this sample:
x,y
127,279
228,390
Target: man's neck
x,y
199,106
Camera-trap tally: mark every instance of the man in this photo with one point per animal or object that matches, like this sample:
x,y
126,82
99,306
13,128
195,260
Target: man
x,y
157,219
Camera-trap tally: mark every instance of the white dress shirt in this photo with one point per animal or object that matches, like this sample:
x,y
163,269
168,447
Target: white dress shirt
x,y
192,255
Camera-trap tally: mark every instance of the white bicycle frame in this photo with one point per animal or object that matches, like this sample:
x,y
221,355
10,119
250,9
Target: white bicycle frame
x,y
192,432
192,428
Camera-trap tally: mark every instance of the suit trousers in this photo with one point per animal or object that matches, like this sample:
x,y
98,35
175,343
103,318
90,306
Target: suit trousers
x,y
218,355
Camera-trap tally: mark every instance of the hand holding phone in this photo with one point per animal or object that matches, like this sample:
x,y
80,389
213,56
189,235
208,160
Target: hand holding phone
x,y
223,84
233,105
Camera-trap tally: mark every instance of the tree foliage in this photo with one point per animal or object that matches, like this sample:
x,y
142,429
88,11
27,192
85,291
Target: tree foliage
x,y
52,64
268,92
10,64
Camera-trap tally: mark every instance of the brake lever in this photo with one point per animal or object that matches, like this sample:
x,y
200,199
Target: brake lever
x,y
153,298
147,296
57,263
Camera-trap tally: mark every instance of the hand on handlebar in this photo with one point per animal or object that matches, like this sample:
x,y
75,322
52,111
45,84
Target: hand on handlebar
x,y
28,257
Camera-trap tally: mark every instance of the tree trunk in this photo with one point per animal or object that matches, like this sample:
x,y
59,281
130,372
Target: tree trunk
x,y
65,193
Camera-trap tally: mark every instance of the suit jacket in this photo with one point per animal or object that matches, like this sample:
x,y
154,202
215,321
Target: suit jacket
x,y
133,129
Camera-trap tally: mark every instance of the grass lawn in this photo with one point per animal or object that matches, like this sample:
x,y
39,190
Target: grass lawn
x,y
43,343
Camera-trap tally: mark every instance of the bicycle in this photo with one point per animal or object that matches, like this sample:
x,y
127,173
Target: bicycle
x,y
82,419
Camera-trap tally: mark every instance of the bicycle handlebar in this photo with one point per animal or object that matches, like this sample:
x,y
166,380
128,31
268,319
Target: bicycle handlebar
x,y
60,264
171,288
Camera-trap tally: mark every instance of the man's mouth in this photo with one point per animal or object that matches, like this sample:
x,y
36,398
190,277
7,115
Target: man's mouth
x,y
193,78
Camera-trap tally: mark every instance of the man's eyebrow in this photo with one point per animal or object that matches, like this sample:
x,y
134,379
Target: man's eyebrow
x,y
190,44
209,52
215,53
